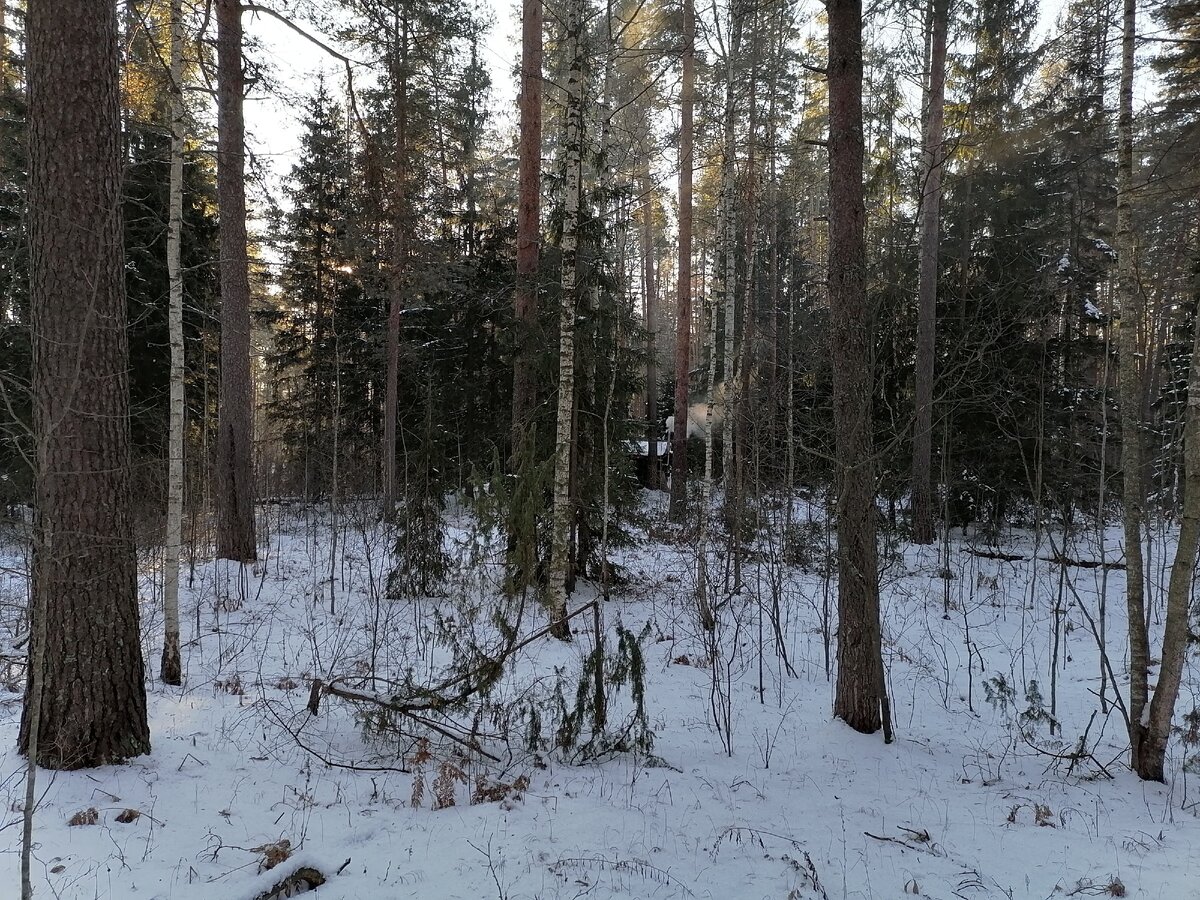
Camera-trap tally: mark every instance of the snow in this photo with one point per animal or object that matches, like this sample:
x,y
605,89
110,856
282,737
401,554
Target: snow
x,y
961,805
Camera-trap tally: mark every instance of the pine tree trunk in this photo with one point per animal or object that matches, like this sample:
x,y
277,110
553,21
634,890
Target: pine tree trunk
x,y
87,676
683,294
170,669
931,202
5,67
529,165
1131,388
560,550
391,399
234,473
860,700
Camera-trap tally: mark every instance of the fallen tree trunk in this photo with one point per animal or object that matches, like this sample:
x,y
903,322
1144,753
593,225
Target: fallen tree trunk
x,y
1057,559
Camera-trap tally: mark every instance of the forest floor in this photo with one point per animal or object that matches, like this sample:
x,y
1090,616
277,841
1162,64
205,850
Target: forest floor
x,y
752,790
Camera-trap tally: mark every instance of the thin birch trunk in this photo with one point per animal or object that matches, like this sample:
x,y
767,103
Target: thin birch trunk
x,y
650,291
560,550
1130,374
729,278
170,668
1156,718
707,619
683,293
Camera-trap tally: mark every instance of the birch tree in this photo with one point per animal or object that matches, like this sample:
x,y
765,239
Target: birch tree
x,y
560,550
170,667
1131,390
683,289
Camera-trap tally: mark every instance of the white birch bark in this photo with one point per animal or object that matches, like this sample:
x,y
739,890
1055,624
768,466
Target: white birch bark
x,y
560,551
170,666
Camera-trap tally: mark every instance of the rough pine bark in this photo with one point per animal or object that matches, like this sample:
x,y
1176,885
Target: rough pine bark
x,y
234,472
931,205
1130,391
86,670
529,208
563,511
860,700
170,668
683,294
398,264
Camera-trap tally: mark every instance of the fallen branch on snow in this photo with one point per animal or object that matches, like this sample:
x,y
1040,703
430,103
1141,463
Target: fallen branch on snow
x,y
436,698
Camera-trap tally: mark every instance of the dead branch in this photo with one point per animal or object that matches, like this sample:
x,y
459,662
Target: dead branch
x,y
434,699
1057,559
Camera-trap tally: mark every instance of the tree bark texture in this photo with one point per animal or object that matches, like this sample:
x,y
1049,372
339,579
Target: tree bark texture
x,y
859,699
170,668
1155,722
563,509
1130,390
87,669
683,293
234,469
931,205
396,278
529,208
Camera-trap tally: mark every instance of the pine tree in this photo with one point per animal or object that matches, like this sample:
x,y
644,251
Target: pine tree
x,y
86,696
861,700
234,472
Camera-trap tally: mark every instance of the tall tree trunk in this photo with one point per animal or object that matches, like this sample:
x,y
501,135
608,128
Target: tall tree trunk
x,y
170,669
708,619
931,204
860,700
5,69
1150,754
683,293
650,291
564,440
396,276
729,243
529,174
234,473
739,426
1130,374
86,675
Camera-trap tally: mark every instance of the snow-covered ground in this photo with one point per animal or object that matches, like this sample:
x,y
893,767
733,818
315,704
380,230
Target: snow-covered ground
x,y
975,799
